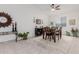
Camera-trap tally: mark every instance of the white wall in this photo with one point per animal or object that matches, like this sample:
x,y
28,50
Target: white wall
x,y
23,15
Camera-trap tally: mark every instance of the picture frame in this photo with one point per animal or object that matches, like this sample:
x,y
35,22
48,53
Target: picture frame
x,y
72,21
38,21
63,21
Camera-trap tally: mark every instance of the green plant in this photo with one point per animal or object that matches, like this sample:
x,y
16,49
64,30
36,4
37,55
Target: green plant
x,y
23,35
74,32
68,33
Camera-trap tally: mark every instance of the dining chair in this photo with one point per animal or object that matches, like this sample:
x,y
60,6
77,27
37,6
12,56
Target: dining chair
x,y
59,32
48,33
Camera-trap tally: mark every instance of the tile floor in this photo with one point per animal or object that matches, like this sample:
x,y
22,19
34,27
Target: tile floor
x,y
67,45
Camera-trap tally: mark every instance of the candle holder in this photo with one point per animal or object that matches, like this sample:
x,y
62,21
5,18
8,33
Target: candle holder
x,y
15,27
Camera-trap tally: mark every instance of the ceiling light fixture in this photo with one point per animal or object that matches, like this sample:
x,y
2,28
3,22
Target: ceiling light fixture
x,y
52,9
55,7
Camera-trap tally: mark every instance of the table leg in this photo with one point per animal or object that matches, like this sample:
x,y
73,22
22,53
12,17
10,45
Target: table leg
x,y
43,35
54,38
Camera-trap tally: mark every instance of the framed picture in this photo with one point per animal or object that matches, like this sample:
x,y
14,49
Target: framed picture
x,y
72,21
63,21
38,21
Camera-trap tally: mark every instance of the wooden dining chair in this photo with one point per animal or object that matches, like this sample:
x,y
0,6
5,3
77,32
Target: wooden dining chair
x,y
48,33
59,32
44,32
53,34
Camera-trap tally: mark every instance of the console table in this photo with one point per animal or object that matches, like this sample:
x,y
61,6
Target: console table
x,y
8,33
38,31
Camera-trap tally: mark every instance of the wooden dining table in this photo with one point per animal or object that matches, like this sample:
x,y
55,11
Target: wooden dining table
x,y
53,31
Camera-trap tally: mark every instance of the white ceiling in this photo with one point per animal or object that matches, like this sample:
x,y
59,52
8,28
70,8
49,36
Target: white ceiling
x,y
65,8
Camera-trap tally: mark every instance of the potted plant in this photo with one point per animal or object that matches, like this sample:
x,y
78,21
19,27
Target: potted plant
x,y
74,32
68,33
23,35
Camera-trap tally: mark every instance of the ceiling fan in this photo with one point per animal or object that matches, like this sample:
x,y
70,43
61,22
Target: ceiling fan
x,y
55,7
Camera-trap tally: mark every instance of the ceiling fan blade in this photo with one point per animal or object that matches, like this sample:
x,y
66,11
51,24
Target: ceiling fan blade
x,y
57,6
52,5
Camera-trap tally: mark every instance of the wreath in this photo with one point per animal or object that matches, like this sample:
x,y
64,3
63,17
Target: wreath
x,y
8,19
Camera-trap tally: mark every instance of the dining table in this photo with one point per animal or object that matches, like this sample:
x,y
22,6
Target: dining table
x,y
53,31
